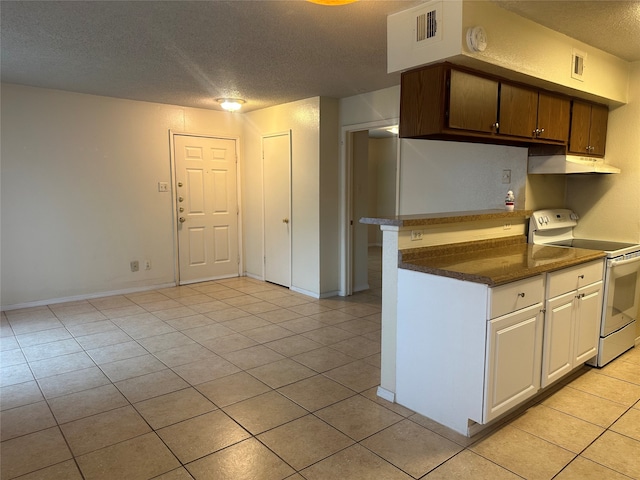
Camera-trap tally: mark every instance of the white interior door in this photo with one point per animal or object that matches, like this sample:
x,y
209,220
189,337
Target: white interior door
x,y
207,208
276,155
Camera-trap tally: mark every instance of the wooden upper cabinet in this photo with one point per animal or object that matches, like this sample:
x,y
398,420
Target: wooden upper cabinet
x,y
588,128
473,102
525,112
518,110
553,117
450,102
422,109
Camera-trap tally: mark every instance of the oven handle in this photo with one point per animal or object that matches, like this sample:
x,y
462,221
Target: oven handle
x,y
617,263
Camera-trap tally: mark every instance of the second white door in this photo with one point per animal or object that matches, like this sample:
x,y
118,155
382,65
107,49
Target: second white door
x,y
276,155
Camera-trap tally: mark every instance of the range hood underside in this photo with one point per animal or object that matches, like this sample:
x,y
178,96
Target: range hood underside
x,y
568,164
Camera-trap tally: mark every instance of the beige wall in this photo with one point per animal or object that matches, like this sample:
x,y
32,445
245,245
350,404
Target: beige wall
x,y
314,217
79,191
516,47
609,205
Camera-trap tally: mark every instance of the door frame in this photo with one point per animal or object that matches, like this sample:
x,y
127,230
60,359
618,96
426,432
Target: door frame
x,y
264,226
174,197
346,196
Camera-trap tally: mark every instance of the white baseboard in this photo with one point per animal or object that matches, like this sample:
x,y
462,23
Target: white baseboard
x,y
75,298
386,394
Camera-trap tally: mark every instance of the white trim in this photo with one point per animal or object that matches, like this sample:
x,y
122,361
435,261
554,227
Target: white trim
x,y
306,292
345,179
254,276
53,301
208,279
387,395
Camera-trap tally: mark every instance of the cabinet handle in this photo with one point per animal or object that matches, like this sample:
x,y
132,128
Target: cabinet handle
x,y
521,294
581,277
540,131
496,125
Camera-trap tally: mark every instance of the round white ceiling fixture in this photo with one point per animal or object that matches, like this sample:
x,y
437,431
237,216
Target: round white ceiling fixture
x,y
332,2
477,39
231,104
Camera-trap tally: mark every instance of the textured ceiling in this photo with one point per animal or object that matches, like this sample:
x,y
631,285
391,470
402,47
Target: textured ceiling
x,y
610,25
268,52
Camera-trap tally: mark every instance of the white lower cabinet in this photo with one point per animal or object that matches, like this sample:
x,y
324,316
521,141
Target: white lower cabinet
x,y
467,353
514,355
572,319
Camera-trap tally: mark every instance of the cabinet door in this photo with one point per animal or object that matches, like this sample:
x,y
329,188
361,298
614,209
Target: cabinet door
x,y
514,351
557,352
588,313
473,102
553,117
518,111
580,123
598,129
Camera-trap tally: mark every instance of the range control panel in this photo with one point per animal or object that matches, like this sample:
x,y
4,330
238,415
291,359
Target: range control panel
x,y
553,219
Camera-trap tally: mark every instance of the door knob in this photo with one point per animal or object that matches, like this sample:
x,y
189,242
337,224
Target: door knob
x,y
285,220
182,219
179,184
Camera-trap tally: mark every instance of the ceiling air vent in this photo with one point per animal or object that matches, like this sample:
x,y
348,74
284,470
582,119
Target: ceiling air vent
x,y
428,24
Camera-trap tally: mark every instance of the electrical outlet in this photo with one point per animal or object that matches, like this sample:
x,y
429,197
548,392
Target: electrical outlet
x,y
416,235
147,264
163,186
506,176
135,265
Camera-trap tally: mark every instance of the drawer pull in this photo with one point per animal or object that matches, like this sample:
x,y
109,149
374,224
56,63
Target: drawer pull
x,y
521,294
581,277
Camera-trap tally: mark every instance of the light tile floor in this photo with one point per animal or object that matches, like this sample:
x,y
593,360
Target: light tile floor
x,y
240,379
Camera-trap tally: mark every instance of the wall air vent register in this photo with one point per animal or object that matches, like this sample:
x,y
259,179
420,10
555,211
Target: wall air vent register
x,y
428,25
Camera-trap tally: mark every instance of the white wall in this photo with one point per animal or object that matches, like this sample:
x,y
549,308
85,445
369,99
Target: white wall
x,y
437,176
303,118
79,191
329,203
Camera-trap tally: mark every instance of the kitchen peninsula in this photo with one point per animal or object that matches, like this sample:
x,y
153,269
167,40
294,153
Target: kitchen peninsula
x,y
462,293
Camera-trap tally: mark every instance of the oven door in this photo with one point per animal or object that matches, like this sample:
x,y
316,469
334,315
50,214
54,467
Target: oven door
x,y
622,290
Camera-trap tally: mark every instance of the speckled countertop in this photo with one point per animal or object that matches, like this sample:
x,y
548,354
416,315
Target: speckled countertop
x,y
442,218
493,262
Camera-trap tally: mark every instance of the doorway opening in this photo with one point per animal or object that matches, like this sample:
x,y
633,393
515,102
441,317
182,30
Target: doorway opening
x,y
370,168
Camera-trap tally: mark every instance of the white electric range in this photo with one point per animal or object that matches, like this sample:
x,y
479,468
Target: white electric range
x,y
621,293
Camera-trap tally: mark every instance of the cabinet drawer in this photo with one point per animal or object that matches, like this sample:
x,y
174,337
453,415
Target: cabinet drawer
x,y
514,296
572,278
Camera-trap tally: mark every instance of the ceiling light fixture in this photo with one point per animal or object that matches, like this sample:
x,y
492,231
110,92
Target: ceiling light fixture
x,y
231,104
332,2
